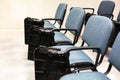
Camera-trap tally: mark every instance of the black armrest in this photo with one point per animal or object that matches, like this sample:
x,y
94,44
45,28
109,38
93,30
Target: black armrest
x,y
87,48
116,22
67,51
42,52
90,9
52,19
84,48
79,48
63,29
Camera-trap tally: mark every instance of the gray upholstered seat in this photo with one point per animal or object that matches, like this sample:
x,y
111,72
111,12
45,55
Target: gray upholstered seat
x,y
59,37
48,25
114,60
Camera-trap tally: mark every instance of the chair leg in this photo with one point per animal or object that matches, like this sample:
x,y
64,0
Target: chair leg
x,y
101,59
82,43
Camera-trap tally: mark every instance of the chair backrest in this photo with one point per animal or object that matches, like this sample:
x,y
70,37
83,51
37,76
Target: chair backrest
x,y
106,8
60,13
118,18
75,20
98,32
114,56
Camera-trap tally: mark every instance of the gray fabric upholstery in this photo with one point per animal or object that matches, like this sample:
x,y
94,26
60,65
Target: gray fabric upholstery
x,y
60,12
48,25
106,7
75,19
60,37
97,32
114,56
78,56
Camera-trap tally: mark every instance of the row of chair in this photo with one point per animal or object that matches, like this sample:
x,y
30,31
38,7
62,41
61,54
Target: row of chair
x,y
76,60
114,60
105,8
74,22
97,35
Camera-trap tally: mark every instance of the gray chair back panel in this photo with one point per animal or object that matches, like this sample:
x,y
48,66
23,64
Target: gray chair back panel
x,y
60,13
97,32
75,19
114,56
106,7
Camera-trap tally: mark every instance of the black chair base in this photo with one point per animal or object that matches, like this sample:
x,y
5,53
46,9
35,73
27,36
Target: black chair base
x,y
49,67
49,70
31,49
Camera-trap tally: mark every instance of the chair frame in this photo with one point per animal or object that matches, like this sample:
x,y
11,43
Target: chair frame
x,y
99,56
110,65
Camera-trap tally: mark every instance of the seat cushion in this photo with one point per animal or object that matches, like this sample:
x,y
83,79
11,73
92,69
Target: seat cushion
x,y
60,37
76,56
85,76
48,25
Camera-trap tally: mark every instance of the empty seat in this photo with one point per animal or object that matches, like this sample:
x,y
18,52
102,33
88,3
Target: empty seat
x,y
74,24
96,35
114,60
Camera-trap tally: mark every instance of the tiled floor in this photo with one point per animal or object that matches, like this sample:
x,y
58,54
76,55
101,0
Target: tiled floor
x,y
13,52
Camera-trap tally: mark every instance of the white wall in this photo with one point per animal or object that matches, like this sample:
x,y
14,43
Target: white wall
x,y
13,12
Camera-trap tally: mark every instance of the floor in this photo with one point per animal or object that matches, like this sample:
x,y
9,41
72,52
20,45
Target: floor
x,y
13,52
13,57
